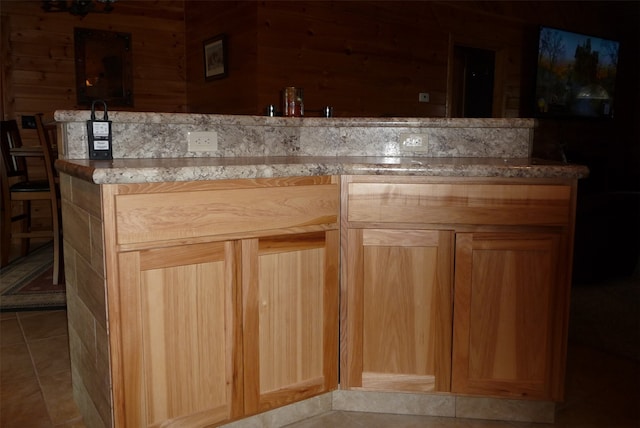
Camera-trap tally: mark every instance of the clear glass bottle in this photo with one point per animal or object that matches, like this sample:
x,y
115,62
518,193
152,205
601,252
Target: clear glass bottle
x,y
293,102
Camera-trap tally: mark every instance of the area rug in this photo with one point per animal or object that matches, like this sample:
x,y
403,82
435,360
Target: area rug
x,y
27,283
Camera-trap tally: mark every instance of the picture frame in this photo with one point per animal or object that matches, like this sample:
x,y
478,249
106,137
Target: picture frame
x,y
215,56
103,65
576,75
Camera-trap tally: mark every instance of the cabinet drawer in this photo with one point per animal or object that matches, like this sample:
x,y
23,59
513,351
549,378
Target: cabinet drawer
x,y
146,217
490,204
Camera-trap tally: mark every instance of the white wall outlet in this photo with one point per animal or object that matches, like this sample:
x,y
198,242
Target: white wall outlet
x,y
202,141
414,142
423,97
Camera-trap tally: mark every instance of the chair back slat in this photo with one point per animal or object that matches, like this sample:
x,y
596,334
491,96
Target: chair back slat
x,y
17,191
47,133
12,166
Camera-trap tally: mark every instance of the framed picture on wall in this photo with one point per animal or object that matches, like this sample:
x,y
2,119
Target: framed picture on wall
x,y
576,74
215,57
104,69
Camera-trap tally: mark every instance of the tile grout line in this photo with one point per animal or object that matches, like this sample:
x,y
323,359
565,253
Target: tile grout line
x,y
35,370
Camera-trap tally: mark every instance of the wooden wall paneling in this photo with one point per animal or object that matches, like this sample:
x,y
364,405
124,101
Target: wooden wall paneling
x,y
41,56
4,55
503,35
346,53
38,62
324,47
384,59
235,94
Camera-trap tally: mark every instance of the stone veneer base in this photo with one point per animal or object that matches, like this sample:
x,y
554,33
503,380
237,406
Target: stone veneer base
x,y
440,405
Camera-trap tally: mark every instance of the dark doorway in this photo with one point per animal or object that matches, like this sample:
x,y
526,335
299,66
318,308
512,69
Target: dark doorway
x,y
473,76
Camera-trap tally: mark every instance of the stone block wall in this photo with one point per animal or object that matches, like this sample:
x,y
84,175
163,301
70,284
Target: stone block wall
x,y
86,300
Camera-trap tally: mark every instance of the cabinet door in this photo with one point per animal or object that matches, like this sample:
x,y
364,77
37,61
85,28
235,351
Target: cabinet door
x,y
179,337
508,319
399,298
290,330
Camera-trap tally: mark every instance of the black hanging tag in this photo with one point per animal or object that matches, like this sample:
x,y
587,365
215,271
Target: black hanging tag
x,y
99,133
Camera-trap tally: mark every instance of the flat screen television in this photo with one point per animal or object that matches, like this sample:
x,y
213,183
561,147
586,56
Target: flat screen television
x,y
576,74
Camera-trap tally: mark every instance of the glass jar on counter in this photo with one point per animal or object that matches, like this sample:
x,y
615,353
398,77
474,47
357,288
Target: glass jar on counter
x,y
292,102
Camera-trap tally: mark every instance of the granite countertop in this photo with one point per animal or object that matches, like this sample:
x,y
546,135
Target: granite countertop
x,y
154,147
121,171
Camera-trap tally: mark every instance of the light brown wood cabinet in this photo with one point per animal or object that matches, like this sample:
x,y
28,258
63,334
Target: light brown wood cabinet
x,y
223,297
399,309
510,314
456,285
290,318
180,329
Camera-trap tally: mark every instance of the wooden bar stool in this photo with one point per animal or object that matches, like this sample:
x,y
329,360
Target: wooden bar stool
x,y
18,187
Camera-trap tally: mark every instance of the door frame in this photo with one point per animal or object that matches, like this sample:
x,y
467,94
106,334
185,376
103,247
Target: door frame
x,y
500,51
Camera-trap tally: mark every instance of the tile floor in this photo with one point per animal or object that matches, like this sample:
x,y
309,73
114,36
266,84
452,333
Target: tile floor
x,y
35,374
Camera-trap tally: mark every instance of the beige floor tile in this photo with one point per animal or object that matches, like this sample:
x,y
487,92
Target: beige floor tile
x,y
39,325
36,313
22,405
7,315
602,390
340,419
50,355
58,396
10,332
15,364
76,423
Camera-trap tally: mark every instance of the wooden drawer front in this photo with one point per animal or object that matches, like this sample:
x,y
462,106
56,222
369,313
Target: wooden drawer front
x,y
492,204
189,214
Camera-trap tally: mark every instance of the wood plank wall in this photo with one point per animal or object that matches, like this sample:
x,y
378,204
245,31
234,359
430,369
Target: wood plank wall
x,y
236,94
38,65
366,58
363,58
372,58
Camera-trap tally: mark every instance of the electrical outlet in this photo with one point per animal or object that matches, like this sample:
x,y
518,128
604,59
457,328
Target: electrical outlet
x,y
414,142
29,122
202,141
423,97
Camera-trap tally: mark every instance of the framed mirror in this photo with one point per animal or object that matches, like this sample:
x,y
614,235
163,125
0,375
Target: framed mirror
x,y
103,67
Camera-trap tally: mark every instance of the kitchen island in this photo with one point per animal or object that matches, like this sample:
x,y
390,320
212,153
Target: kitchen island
x,y
231,285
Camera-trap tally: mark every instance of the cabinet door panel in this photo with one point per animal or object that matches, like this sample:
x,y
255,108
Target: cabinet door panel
x,y
504,320
291,318
180,334
401,337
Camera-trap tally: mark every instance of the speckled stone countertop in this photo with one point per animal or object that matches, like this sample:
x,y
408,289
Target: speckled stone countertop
x,y
193,169
153,147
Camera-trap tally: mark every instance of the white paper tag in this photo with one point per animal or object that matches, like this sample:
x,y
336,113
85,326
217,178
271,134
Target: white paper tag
x,y
101,144
100,129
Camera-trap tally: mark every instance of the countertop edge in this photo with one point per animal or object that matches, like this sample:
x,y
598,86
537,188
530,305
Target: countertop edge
x,y
102,172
